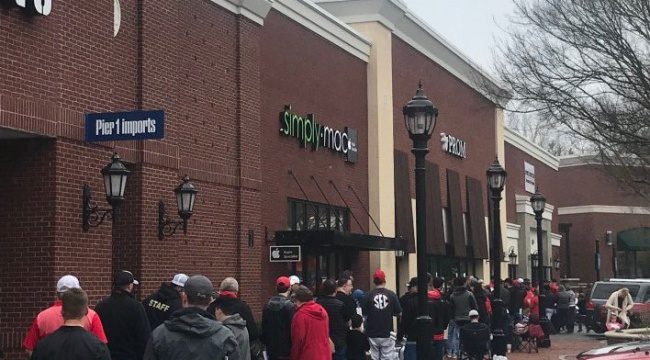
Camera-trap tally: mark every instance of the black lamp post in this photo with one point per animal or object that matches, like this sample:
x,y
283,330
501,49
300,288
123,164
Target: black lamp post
x,y
597,260
534,262
115,175
185,196
420,118
496,176
538,202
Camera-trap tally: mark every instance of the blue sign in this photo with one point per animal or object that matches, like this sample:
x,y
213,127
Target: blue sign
x,y
132,125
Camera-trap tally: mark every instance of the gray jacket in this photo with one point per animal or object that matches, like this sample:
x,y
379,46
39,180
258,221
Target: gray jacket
x,y
462,301
238,327
191,334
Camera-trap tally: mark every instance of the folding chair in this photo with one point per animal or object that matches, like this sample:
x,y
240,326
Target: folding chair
x,y
474,343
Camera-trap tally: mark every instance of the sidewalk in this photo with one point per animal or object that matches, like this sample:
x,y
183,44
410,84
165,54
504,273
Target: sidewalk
x,y
563,346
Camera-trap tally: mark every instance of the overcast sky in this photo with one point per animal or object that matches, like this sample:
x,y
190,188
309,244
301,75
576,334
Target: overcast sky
x,y
470,25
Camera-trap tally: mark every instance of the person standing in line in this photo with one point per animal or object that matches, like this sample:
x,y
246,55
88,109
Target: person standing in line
x,y
571,316
192,333
380,306
309,328
229,288
162,303
344,293
71,341
357,341
517,295
339,318
407,329
461,302
563,299
439,312
224,312
125,320
295,282
276,322
51,319
358,296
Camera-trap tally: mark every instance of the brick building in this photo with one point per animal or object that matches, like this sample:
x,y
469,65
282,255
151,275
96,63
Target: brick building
x,y
239,82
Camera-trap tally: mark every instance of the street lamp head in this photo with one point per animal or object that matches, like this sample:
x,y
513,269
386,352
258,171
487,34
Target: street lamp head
x,y
185,195
513,257
496,175
538,202
115,175
420,116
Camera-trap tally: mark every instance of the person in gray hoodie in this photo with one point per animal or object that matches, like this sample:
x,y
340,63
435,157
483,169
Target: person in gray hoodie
x,y
225,311
461,302
192,333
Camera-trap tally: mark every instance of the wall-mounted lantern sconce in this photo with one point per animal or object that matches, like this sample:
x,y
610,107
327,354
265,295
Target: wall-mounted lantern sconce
x,y
609,237
512,257
185,196
115,175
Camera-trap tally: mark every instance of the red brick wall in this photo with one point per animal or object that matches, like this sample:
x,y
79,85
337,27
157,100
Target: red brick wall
x,y
303,70
201,65
546,178
596,188
585,229
27,245
463,113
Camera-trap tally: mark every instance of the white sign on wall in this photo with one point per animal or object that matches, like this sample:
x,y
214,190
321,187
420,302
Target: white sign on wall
x,y
529,177
453,145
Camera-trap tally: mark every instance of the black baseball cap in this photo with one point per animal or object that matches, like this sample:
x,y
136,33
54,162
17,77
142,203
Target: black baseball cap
x,y
199,286
124,278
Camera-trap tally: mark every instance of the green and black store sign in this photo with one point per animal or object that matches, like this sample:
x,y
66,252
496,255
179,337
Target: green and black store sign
x,y
315,135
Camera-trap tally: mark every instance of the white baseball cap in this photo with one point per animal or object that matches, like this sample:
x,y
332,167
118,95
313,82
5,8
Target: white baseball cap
x,y
66,283
179,279
293,279
473,313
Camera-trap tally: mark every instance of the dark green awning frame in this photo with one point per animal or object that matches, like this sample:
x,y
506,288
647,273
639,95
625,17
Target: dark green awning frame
x,y
338,239
637,239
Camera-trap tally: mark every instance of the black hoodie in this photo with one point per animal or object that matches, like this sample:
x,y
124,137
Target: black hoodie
x,y
161,304
191,334
276,326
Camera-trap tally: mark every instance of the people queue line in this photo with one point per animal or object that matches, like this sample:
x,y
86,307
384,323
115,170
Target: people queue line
x,y
186,318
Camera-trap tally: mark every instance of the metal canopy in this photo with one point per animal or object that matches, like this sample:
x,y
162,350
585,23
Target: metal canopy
x,y
637,239
338,239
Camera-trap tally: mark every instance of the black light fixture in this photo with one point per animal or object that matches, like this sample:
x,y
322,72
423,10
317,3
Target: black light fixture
x,y
420,118
556,262
115,176
185,197
496,177
609,238
538,202
513,257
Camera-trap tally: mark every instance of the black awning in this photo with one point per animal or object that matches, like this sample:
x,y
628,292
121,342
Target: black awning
x,y
637,239
338,239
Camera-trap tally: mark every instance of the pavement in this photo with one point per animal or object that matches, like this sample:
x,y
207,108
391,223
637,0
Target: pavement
x,y
563,347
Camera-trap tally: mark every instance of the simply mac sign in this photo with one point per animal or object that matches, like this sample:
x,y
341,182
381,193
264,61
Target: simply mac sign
x,y
132,125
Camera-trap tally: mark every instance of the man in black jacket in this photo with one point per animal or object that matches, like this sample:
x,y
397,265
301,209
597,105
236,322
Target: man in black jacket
x,y
407,329
339,317
192,333
125,321
162,303
276,322
343,293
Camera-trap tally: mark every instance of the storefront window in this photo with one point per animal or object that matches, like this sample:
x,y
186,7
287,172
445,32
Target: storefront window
x,y
307,215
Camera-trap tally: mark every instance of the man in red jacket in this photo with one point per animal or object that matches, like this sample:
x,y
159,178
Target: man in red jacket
x,y
309,328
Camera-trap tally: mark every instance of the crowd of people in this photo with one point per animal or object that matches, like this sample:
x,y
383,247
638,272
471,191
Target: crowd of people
x,y
187,318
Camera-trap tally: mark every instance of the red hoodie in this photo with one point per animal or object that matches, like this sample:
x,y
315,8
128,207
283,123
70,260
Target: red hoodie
x,y
310,333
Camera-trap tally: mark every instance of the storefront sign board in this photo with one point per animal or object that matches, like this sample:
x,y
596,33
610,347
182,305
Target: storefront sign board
x,y
529,177
132,125
284,253
453,145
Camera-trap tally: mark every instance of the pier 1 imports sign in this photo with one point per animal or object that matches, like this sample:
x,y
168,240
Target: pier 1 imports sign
x,y
132,125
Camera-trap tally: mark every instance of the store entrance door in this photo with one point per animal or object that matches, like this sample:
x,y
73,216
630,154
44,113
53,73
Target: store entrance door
x,y
317,266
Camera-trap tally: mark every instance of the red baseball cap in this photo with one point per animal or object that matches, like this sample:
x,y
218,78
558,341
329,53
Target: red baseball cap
x,y
379,275
283,281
